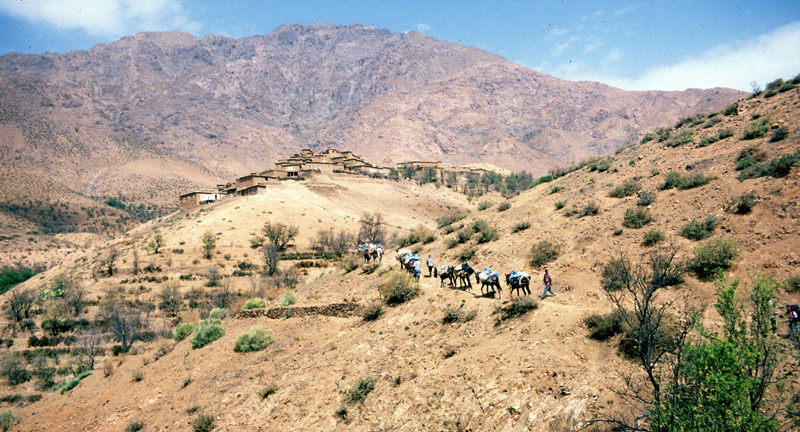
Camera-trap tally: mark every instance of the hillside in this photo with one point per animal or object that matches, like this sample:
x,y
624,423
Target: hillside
x,y
538,371
153,115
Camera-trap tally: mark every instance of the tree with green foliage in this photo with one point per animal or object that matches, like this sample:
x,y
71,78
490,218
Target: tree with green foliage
x,y
209,240
10,277
279,234
156,243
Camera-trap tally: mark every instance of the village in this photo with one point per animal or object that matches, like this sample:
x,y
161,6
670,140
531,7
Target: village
x,y
308,163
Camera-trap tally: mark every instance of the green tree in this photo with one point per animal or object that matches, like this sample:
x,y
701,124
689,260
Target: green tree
x,y
209,240
156,243
279,234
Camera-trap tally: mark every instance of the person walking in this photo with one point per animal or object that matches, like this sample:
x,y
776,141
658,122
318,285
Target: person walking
x,y
430,266
417,269
793,317
548,280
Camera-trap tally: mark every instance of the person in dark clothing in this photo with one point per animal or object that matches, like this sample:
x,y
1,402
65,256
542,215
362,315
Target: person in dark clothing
x,y
548,280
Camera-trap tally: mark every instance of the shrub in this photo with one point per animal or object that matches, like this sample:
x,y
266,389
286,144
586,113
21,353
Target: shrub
x,y
779,134
289,298
134,426
503,206
203,423
363,385
682,138
758,128
349,264
695,230
218,314
599,164
10,277
448,219
777,167
466,253
711,122
483,205
636,218
743,204
543,252
207,333
715,255
590,209
560,204
604,327
570,212
254,303
648,137
519,306
183,330
652,238
521,226
731,110
372,311
254,340
793,284
625,190
7,420
71,384
486,235
748,157
268,391
556,189
684,181
452,314
12,367
616,274
398,288
646,198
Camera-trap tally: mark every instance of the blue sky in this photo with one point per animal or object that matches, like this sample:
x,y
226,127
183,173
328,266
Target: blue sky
x,y
633,45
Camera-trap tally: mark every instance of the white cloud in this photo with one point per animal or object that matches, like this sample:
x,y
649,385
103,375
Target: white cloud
x,y
109,18
422,27
762,59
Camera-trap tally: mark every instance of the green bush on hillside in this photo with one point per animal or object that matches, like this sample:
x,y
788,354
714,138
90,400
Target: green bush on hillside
x,y
636,218
398,288
543,252
206,334
254,303
183,330
695,230
625,190
715,255
256,339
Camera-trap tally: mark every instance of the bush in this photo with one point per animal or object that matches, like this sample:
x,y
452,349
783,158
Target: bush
x,y
652,238
466,253
218,314
715,255
207,333
590,209
398,288
350,263
560,204
616,274
134,426
636,218
543,252
71,384
521,226
748,157
758,128
731,110
793,285
11,277
268,391
556,189
289,298
743,205
254,303
625,190
448,219
777,167
483,205
254,340
452,314
779,134
604,327
695,230
682,138
203,423
372,311
7,420
12,367
486,235
183,330
360,389
646,198
599,164
684,181
519,306
503,207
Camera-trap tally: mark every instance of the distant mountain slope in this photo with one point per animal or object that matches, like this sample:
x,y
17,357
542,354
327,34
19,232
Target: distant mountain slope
x,y
214,107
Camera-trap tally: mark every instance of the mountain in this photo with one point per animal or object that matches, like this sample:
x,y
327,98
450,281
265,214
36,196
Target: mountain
x,y
153,115
539,371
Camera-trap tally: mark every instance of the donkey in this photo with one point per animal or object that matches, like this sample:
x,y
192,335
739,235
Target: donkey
x,y
400,254
445,272
490,279
462,272
520,282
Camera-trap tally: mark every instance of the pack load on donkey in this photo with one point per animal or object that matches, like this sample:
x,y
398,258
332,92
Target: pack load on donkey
x,y
489,279
519,281
462,272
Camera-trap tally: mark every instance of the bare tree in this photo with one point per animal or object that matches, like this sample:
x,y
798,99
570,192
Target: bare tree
x,y
71,293
371,228
123,321
88,344
272,256
279,234
223,297
333,242
109,261
171,299
20,303
135,262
